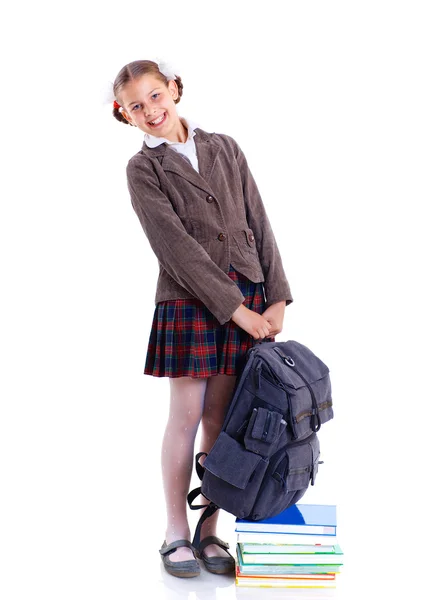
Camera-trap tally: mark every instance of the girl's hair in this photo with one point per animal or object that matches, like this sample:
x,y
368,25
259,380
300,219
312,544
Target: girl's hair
x,y
135,70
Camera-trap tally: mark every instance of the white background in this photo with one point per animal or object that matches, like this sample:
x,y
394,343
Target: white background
x,y
333,105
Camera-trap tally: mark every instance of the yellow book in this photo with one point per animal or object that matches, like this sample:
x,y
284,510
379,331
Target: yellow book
x,y
285,582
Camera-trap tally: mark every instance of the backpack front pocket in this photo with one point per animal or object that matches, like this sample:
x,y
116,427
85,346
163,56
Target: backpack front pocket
x,y
264,430
232,475
287,478
303,406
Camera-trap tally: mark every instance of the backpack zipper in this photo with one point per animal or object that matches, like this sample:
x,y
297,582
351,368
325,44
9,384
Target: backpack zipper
x,y
266,426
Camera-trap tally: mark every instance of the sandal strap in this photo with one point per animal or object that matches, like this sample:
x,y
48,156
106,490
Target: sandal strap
x,y
212,539
174,545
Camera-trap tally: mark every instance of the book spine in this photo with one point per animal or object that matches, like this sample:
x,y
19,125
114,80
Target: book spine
x,y
285,538
292,529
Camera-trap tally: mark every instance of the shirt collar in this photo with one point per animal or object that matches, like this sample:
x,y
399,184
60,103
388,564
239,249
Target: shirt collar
x,y
152,141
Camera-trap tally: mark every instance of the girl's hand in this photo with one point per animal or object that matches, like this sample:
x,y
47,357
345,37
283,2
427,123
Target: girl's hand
x,y
274,314
252,322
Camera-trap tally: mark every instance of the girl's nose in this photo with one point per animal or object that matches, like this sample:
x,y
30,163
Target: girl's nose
x,y
149,116
148,112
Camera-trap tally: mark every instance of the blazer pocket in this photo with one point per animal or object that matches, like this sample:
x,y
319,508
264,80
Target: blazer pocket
x,y
250,238
245,241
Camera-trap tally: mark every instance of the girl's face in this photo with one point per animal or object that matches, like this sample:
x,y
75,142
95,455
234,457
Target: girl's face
x,y
149,104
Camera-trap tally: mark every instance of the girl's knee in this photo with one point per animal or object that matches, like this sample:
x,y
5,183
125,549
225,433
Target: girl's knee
x,y
187,402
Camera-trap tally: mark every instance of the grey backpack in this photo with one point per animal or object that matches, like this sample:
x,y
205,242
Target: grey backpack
x,y
267,452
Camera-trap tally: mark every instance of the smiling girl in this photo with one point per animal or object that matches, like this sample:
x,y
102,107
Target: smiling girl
x,y
221,283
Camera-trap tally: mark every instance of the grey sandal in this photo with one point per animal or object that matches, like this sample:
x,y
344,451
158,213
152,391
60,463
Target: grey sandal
x,y
182,568
216,564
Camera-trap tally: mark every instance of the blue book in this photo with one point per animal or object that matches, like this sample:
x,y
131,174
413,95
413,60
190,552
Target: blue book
x,y
306,519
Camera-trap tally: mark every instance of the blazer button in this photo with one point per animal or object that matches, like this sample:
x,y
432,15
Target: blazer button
x,y
209,198
222,237
251,237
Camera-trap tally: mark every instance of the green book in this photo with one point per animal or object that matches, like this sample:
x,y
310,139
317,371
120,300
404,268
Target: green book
x,y
289,557
248,548
277,570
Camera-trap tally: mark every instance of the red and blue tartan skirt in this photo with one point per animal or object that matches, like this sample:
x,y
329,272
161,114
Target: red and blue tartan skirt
x,y
187,340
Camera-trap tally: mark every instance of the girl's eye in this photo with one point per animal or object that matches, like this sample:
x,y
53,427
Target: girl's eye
x,y
154,95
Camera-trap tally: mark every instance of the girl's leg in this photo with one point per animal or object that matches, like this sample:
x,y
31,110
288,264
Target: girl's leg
x,y
185,411
218,394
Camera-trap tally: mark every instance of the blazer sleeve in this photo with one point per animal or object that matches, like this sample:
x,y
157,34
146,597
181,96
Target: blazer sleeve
x,y
180,254
276,286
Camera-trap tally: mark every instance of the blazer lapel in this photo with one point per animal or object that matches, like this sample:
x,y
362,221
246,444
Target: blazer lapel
x,y
175,162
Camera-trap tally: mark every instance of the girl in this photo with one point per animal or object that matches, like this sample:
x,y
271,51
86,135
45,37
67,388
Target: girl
x,y
202,213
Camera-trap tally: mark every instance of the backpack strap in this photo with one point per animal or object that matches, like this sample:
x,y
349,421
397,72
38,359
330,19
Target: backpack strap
x,y
199,468
209,511
194,493
210,508
191,497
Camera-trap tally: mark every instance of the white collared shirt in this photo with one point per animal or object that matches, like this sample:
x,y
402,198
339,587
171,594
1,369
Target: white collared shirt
x,y
186,148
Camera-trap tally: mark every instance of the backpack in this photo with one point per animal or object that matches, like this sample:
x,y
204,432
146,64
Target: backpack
x,y
267,452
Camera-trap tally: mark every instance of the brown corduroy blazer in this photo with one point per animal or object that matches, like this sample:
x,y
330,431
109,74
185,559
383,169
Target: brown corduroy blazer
x,y
199,223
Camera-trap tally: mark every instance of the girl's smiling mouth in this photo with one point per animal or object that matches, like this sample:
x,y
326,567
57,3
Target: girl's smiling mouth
x,y
157,121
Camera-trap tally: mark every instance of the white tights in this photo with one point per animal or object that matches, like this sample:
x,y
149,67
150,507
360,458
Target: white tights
x,y
193,401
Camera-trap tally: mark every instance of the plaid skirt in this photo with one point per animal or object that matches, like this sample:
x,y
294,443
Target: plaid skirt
x,y
187,340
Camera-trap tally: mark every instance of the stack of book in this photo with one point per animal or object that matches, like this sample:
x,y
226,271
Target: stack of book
x,y
297,548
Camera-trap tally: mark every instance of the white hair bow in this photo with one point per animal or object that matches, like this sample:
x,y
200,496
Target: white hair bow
x,y
166,69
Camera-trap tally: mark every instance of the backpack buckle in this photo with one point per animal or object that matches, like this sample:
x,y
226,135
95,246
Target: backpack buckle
x,y
287,359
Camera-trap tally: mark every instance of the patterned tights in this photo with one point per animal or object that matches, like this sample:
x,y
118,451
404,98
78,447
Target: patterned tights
x,y
193,401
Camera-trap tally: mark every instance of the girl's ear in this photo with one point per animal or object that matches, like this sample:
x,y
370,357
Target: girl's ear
x,y
126,116
173,89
